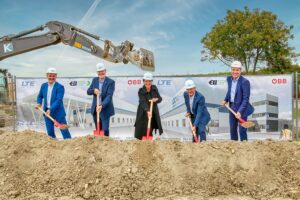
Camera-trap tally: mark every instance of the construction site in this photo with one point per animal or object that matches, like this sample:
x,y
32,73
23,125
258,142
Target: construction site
x,y
172,165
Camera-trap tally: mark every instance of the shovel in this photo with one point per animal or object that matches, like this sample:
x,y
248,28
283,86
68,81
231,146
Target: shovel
x,y
56,124
193,132
243,123
148,137
98,131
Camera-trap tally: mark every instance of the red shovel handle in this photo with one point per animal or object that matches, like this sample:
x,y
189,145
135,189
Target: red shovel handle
x,y
195,137
56,124
241,120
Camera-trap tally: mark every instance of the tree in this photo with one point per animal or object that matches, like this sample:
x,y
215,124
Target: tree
x,y
250,37
3,71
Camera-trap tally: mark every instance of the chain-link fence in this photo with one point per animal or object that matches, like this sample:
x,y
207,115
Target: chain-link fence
x,y
7,102
296,107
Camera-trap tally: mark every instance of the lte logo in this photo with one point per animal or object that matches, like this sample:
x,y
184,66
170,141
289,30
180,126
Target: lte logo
x,y
279,81
28,83
164,82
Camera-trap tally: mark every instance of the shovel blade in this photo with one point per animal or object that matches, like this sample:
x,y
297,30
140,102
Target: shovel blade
x,y
99,132
147,137
61,126
247,124
196,139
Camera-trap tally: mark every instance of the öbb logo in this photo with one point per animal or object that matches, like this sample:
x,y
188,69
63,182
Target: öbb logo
x,y
134,82
279,81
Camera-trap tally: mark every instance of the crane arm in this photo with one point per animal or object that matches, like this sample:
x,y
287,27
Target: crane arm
x,y
59,32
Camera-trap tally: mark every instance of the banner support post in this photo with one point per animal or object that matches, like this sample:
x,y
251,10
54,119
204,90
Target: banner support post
x,y
296,95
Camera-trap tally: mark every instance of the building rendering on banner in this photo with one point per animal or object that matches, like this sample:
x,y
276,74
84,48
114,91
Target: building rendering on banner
x,y
78,112
266,113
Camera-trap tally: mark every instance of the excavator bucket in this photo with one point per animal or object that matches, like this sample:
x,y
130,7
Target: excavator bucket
x,y
147,61
142,58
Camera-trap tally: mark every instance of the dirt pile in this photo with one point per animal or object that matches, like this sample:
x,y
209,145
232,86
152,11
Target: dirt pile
x,y
34,166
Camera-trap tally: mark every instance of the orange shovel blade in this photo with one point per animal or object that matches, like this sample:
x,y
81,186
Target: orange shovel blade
x,y
147,137
61,126
99,132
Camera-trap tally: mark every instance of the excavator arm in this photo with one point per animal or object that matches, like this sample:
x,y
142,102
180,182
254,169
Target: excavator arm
x,y
12,45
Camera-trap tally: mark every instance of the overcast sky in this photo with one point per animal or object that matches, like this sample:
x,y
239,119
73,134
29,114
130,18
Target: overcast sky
x,y
172,29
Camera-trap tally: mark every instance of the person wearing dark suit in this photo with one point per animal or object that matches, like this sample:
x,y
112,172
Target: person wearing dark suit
x,y
105,87
146,93
52,93
237,97
196,109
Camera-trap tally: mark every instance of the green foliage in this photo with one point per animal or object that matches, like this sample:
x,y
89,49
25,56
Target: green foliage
x,y
3,71
252,37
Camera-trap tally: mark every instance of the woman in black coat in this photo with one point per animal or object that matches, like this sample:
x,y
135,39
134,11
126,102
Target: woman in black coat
x,y
146,93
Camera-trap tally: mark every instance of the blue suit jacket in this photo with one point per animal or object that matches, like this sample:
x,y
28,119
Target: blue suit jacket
x,y
202,116
57,109
107,92
241,100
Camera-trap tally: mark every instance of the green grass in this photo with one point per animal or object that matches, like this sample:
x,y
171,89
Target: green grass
x,y
295,113
295,139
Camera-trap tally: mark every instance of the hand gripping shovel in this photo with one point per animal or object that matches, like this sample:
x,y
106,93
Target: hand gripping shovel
x,y
148,137
98,131
193,132
56,124
243,123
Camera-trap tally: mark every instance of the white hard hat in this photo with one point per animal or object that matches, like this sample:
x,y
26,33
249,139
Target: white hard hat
x,y
148,76
51,70
100,67
236,64
189,84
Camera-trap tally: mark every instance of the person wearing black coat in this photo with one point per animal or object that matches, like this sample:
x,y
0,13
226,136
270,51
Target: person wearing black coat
x,y
146,93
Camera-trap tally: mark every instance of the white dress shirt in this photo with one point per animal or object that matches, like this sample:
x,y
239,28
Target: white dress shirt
x,y
191,102
233,89
49,94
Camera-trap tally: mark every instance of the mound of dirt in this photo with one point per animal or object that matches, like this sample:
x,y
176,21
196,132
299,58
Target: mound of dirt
x,y
34,166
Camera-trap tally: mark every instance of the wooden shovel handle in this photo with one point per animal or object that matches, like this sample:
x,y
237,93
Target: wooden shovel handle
x,y
191,125
151,108
97,102
229,109
46,114
240,119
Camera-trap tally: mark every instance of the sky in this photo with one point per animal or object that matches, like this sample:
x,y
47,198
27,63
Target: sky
x,y
171,29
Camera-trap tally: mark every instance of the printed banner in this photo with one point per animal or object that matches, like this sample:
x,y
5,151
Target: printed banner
x,y
271,97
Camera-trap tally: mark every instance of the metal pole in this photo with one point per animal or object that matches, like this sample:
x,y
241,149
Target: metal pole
x,y
14,102
297,130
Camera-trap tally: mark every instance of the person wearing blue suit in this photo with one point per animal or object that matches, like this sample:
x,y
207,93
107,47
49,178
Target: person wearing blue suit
x,y
105,87
52,94
196,109
237,97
